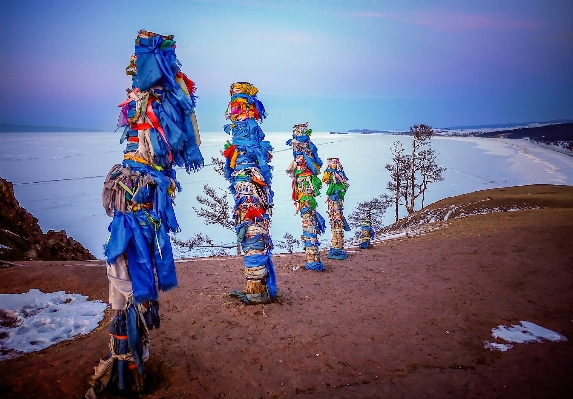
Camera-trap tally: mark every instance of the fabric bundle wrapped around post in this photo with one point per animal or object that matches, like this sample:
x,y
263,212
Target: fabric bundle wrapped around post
x,y
304,171
337,182
160,132
367,233
247,168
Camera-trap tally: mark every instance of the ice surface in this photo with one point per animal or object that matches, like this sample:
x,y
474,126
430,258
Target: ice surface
x,y
44,319
58,177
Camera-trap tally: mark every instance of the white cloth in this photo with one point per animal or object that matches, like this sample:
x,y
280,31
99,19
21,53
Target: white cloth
x,y
120,288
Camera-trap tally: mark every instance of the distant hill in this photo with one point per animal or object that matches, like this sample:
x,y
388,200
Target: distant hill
x,y
547,133
13,128
508,125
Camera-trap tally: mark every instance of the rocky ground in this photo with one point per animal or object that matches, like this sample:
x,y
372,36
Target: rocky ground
x,y
404,319
21,237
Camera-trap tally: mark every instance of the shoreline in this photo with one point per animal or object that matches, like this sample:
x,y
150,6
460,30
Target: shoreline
x,y
57,212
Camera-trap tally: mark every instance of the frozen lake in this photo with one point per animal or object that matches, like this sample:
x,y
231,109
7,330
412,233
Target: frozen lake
x,y
58,177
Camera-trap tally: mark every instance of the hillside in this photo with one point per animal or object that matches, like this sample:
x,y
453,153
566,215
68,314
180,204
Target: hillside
x,y
408,318
484,202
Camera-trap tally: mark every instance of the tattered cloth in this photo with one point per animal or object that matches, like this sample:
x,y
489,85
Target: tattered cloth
x,y
144,239
162,102
129,349
337,182
244,103
139,227
367,234
305,188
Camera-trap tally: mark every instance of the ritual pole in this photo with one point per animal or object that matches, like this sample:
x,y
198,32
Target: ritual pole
x,y
305,188
160,132
337,182
367,233
247,169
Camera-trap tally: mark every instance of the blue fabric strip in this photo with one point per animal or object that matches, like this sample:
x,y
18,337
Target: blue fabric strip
x,y
133,338
337,253
318,266
259,260
148,250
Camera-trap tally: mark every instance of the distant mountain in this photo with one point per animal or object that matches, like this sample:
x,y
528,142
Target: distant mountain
x,y
13,128
508,125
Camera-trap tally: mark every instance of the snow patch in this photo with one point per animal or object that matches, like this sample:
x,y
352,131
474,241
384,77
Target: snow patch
x,y
495,346
35,320
524,333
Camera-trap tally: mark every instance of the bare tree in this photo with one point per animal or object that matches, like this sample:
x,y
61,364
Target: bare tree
x,y
289,243
421,135
200,245
398,169
372,210
216,209
430,171
218,166
410,174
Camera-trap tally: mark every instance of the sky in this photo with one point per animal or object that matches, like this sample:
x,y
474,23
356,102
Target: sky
x,y
339,65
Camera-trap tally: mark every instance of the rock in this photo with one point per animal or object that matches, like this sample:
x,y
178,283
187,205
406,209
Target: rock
x,y
21,238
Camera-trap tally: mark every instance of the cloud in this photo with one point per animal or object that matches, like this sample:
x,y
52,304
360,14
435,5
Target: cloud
x,y
450,20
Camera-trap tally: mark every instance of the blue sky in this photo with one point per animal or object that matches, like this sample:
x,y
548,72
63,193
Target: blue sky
x,y
337,64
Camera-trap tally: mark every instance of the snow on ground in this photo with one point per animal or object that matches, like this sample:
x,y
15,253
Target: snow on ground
x,y
553,166
35,320
427,220
534,163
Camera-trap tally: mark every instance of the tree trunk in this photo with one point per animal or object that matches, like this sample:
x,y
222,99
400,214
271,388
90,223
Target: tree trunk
x,y
398,182
412,183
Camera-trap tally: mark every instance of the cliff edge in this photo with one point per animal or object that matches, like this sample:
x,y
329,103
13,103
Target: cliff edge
x,y
22,239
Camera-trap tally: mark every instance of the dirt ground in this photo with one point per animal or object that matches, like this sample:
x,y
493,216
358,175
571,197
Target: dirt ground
x,y
404,319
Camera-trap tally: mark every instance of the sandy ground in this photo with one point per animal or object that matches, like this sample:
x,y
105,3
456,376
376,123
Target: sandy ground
x,y
405,319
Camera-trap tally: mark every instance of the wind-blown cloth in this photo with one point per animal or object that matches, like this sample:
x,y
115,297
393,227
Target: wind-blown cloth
x,y
367,233
160,133
247,168
337,182
305,188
